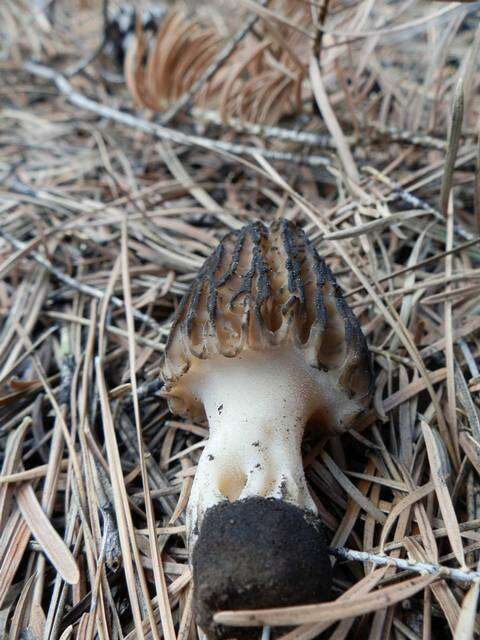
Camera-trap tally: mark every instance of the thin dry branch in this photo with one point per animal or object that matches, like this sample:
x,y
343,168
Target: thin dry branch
x,y
160,132
447,573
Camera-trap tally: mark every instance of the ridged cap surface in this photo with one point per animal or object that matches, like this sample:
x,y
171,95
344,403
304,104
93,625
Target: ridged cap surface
x,y
263,287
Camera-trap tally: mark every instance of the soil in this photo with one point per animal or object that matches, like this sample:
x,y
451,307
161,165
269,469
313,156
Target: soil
x,y
254,554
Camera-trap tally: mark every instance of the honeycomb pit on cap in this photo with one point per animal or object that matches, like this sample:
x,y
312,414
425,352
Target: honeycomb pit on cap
x,y
262,346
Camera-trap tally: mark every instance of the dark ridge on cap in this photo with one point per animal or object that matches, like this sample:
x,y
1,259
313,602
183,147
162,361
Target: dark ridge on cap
x,y
257,553
262,287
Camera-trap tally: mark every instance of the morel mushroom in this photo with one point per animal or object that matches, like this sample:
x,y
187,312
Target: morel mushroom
x,y
262,346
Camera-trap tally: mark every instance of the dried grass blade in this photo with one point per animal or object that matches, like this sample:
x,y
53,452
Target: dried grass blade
x,y
471,449
412,389
448,323
18,617
49,494
464,329
52,544
439,474
119,496
14,540
465,629
375,225
331,121
187,617
184,494
30,474
404,503
352,490
160,583
329,611
58,412
365,585
476,192
405,426
12,454
344,529
440,589
453,142
36,619
467,402
67,633
179,172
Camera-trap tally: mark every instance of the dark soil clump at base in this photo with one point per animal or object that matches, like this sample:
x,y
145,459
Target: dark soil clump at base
x,y
254,554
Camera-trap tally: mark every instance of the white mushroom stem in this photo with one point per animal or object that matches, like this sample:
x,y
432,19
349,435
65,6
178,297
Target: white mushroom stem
x,y
257,405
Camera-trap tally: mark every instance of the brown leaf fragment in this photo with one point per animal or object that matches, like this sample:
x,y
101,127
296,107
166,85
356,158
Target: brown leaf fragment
x,y
52,544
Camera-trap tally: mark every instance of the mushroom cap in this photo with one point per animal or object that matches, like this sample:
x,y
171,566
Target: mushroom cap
x,y
265,287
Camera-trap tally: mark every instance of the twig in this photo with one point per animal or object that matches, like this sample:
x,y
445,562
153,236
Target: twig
x,y
223,55
78,286
456,575
267,131
415,138
313,139
161,132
